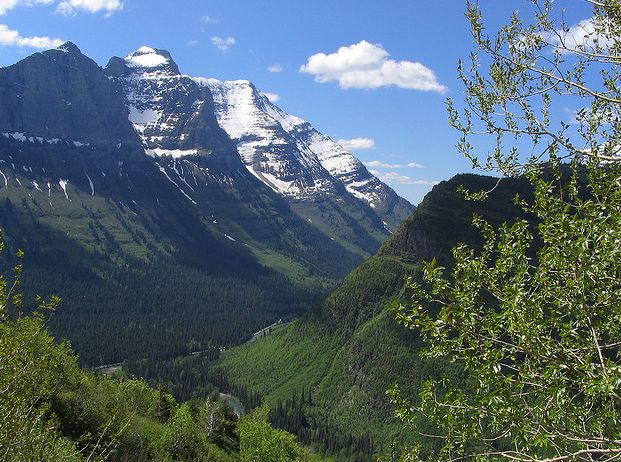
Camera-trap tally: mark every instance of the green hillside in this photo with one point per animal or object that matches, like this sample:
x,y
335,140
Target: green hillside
x,y
124,270
348,350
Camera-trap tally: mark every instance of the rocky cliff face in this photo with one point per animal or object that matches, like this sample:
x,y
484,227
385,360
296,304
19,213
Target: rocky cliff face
x,y
173,115
62,94
292,157
444,217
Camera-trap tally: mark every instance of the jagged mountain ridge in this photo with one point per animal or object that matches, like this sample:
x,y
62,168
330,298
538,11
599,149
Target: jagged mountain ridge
x,y
282,151
84,109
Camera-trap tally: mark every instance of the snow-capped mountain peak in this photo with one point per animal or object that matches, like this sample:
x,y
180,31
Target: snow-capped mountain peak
x,y
151,62
161,101
265,144
283,151
68,47
145,57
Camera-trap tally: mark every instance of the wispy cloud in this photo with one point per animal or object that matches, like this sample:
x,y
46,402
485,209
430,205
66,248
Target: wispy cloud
x,y
357,144
366,65
223,43
398,178
192,43
210,20
415,165
7,5
572,116
273,97
9,37
275,68
71,7
380,164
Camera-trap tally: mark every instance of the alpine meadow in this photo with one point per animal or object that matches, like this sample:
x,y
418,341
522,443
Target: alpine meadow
x,y
422,264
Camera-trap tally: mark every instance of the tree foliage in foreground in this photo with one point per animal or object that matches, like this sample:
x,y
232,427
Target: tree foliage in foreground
x,y
260,442
51,410
31,366
534,317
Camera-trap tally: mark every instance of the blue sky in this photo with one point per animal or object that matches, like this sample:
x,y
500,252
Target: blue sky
x,y
299,51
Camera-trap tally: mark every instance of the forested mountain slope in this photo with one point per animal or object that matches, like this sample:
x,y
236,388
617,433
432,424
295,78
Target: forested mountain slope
x,y
348,350
51,410
157,237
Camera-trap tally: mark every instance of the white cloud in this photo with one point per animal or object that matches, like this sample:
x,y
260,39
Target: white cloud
x,y
71,7
66,7
397,178
572,116
275,68
366,65
357,144
581,36
223,43
273,97
380,164
9,37
192,43
6,5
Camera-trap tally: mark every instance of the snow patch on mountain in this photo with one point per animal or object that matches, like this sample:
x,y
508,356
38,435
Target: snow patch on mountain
x,y
145,57
174,153
23,138
163,170
142,118
266,147
269,140
63,185
150,63
90,183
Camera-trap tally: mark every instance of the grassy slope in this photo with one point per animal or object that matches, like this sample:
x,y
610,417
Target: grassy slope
x,y
348,369
349,349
